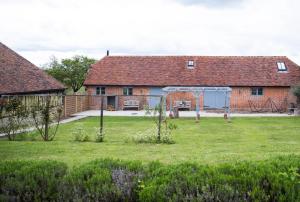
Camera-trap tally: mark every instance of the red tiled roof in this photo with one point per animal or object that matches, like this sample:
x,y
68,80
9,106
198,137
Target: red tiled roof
x,y
18,75
208,71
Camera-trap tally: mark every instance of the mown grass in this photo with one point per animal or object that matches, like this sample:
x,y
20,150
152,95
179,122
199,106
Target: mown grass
x,y
212,141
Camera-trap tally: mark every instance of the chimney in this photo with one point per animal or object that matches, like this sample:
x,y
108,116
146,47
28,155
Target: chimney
x,y
107,53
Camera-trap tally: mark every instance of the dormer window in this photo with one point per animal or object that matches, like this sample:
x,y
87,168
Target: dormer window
x,y
281,67
190,64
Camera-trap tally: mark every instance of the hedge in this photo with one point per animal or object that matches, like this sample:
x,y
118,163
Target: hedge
x,y
31,181
114,180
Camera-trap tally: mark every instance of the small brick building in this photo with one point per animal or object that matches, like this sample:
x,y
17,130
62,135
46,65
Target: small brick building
x,y
256,82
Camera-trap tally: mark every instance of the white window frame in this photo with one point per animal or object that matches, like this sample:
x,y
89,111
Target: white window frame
x,y
190,64
281,67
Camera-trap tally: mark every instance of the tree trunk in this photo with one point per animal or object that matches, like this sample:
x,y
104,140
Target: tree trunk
x,y
47,118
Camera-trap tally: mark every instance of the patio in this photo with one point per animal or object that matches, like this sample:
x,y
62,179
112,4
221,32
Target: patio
x,y
181,114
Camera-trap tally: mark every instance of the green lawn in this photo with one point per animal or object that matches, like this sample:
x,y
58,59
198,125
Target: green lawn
x,y
209,142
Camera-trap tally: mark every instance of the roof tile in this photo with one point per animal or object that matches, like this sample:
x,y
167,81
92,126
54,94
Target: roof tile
x,y
208,71
18,75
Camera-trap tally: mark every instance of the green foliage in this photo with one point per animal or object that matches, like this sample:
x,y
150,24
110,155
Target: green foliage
x,y
13,115
31,180
99,135
80,135
114,180
71,72
296,91
104,180
248,181
151,135
44,115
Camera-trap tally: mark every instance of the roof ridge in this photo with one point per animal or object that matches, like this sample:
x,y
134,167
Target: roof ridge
x,y
219,56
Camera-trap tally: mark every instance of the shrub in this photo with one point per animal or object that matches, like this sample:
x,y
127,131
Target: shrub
x,y
115,180
104,180
80,134
296,92
150,135
31,180
261,181
13,115
166,128
99,136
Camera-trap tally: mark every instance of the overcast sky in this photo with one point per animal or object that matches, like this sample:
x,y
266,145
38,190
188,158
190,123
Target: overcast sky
x,y
38,29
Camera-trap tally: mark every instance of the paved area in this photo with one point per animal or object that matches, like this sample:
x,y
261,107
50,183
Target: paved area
x,y
181,114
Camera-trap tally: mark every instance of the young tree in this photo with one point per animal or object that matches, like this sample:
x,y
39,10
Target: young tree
x,y
13,115
43,116
71,72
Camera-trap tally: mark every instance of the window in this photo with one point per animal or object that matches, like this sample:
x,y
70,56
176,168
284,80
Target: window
x,y
257,91
190,64
127,91
100,91
281,66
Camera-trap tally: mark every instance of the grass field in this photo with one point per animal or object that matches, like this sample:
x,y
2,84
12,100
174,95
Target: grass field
x,y
211,141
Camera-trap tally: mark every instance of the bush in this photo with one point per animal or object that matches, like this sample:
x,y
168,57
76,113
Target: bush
x,y
296,91
104,180
31,180
150,135
114,180
80,134
276,180
99,136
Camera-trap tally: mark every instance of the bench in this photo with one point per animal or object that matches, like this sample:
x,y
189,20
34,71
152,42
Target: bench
x,y
182,104
129,104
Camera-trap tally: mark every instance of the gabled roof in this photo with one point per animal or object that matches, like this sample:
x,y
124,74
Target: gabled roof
x,y
208,71
18,75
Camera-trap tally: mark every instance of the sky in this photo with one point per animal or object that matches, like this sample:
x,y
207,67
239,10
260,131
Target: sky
x,y
40,29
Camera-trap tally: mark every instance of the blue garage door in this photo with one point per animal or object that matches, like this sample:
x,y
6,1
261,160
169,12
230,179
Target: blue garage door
x,y
215,100
154,101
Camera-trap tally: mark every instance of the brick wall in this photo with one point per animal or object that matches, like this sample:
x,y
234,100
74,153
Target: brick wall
x,y
138,94
241,98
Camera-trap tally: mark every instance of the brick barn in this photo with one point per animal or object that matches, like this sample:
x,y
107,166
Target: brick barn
x,y
257,83
18,76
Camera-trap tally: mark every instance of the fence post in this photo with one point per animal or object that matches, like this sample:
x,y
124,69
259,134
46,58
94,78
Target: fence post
x,y
101,115
160,118
75,103
65,105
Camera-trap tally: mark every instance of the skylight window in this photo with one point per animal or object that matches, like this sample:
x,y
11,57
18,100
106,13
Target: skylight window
x,y
190,64
281,66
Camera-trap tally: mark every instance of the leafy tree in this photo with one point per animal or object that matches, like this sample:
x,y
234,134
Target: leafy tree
x,y
44,115
13,115
70,71
296,91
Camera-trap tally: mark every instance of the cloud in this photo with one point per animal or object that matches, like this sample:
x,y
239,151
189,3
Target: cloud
x,y
38,29
211,3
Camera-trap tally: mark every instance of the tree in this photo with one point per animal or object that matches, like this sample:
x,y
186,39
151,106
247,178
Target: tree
x,y
13,115
296,91
44,115
70,71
